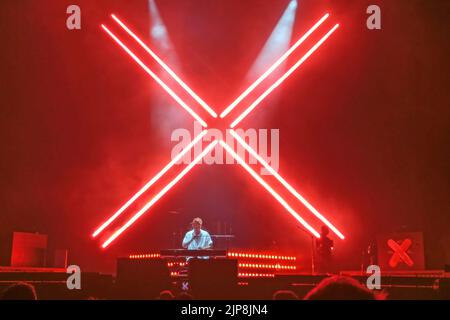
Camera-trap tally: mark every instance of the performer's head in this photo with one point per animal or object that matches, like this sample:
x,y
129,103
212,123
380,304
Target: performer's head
x,y
197,224
324,230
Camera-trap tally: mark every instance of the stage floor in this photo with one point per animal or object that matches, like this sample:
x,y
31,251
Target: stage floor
x,y
50,284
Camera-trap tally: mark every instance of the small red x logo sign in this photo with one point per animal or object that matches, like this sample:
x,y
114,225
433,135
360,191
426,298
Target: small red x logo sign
x,y
217,143
400,253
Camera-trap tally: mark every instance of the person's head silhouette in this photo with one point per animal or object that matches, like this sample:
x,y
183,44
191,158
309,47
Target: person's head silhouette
x,y
19,291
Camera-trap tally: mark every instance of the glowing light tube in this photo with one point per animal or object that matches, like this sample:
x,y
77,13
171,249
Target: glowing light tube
x,y
150,183
286,184
156,78
159,195
166,67
269,189
282,78
272,68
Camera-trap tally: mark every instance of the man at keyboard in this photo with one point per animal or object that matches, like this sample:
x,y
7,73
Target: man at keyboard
x,y
197,238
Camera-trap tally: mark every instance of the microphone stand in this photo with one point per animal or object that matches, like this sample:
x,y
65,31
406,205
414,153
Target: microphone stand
x,y
313,260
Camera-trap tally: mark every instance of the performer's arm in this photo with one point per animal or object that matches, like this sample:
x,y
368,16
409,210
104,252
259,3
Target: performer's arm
x,y
209,242
187,240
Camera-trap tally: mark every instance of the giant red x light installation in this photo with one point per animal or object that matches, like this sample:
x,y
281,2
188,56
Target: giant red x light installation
x,y
218,118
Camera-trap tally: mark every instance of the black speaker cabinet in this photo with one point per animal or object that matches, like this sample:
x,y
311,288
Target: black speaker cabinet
x,y
213,278
444,288
141,278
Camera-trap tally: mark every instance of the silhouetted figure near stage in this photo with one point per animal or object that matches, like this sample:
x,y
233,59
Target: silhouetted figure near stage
x,y
166,295
342,288
184,296
19,291
324,248
284,295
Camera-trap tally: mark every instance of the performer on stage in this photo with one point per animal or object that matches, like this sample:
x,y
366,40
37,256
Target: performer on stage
x,y
197,238
324,249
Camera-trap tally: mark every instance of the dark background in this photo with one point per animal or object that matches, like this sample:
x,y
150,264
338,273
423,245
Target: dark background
x,y
364,125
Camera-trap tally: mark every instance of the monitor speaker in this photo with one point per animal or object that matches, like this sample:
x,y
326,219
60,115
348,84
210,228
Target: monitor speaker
x,y
28,250
213,278
141,278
